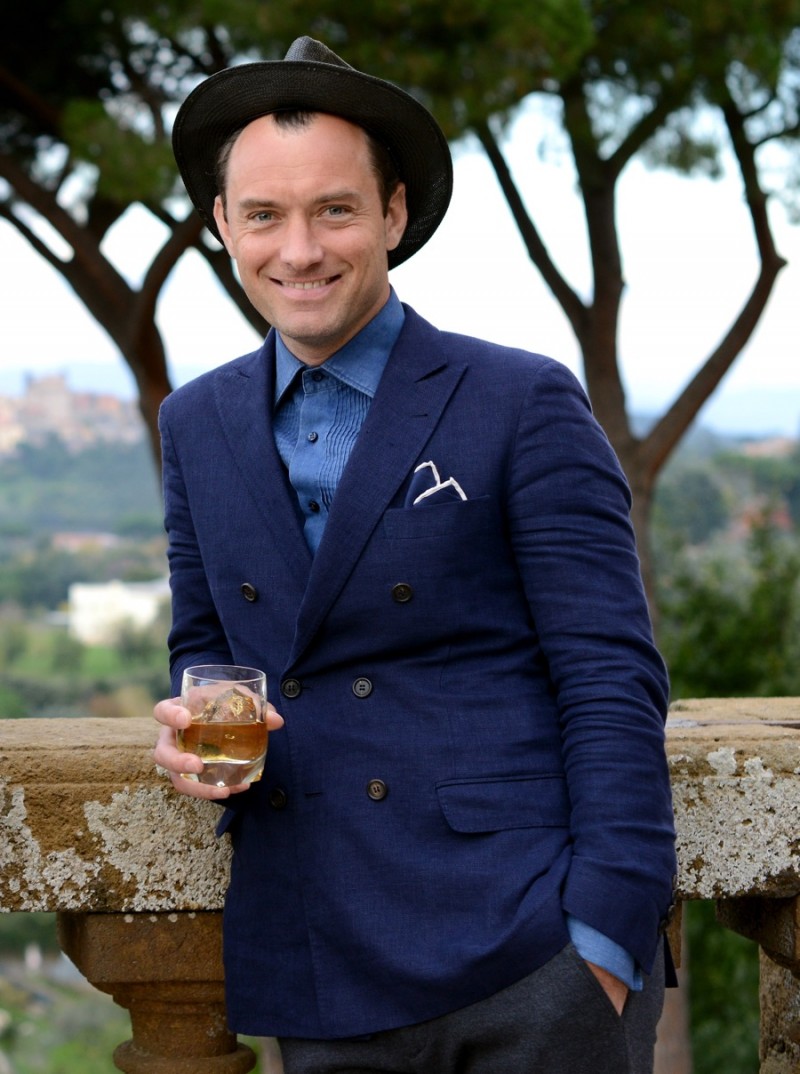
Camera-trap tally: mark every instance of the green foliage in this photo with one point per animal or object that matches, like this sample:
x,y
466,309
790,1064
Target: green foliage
x,y
777,480
54,675
46,488
19,930
723,995
690,505
725,527
131,165
13,705
731,623
59,1027
102,80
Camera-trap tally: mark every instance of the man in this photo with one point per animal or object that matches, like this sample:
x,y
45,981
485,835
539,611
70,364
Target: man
x,y
460,856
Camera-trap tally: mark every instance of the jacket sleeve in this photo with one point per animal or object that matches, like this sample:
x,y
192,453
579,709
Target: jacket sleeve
x,y
196,636
569,516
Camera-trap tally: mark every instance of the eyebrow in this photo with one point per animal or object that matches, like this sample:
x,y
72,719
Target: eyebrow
x,y
248,204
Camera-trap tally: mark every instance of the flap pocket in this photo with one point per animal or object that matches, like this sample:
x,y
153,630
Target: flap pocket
x,y
491,805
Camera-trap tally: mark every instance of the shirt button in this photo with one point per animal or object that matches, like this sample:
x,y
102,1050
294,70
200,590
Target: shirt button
x,y
313,438
291,688
317,376
362,687
402,593
249,592
278,798
377,789
313,506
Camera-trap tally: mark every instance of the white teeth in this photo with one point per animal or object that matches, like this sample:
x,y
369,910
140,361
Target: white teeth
x,y
311,286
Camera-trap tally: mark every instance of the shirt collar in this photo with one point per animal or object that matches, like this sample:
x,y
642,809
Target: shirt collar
x,y
359,363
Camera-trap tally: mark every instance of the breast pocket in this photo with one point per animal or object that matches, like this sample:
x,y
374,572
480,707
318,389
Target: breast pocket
x,y
456,519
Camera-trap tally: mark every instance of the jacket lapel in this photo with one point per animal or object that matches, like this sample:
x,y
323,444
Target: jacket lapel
x,y
414,390
244,396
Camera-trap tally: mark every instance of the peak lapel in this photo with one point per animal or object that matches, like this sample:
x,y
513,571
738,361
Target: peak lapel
x,y
414,390
244,393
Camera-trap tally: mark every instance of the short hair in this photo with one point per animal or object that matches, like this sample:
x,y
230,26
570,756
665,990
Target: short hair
x,y
298,119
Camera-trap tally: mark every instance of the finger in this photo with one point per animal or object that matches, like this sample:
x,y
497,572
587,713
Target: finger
x,y
203,790
171,713
175,761
180,766
274,718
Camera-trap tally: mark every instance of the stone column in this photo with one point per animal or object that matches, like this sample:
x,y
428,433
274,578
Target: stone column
x,y
166,970
774,924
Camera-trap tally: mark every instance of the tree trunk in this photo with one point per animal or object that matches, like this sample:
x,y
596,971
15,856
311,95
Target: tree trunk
x,y
152,384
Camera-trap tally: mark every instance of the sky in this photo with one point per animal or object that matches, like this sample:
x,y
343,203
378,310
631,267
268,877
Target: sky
x,y
689,261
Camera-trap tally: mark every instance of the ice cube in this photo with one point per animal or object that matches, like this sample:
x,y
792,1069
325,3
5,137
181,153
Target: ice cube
x,y
231,706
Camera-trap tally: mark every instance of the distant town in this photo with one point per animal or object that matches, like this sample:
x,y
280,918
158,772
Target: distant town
x,y
48,408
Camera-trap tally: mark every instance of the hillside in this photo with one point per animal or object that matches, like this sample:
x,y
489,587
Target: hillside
x,y
105,488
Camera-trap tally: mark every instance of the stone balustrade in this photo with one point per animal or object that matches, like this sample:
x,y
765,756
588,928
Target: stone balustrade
x,y
89,830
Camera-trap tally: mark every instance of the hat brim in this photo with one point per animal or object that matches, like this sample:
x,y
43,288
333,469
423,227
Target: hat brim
x,y
229,100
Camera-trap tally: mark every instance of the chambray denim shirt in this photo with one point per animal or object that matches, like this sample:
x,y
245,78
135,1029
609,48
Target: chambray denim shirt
x,y
319,412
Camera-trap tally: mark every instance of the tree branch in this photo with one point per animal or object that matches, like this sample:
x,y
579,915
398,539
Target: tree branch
x,y
30,236
30,103
182,235
671,427
642,132
568,299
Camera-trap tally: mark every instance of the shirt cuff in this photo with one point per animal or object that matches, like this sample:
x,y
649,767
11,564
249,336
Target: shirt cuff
x,y
595,947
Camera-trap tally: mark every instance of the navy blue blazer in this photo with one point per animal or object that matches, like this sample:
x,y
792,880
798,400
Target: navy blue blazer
x,y
474,706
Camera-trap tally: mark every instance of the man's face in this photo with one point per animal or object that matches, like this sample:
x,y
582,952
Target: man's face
x,y
306,227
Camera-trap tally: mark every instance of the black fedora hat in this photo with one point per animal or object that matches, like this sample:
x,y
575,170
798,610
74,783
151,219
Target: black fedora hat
x,y
312,78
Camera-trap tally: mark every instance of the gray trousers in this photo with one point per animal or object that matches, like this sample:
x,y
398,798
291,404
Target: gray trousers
x,y
558,1020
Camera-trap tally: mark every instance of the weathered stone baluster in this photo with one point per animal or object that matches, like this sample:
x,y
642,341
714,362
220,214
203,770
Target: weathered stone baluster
x,y
166,970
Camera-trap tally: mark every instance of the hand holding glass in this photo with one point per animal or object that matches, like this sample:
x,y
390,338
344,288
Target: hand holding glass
x,y
228,729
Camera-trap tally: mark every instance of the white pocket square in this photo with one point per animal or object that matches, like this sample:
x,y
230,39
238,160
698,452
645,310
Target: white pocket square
x,y
448,489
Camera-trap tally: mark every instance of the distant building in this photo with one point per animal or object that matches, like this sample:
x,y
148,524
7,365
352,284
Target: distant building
x,y
48,409
12,432
75,542
774,447
98,613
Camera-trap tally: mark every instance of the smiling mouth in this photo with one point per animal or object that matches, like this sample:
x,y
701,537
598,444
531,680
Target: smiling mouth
x,y
307,285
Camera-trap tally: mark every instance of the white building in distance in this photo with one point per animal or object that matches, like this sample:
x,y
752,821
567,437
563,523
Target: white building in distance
x,y
98,613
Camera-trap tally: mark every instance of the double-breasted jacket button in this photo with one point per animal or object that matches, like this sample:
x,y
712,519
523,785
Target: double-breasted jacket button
x,y
291,688
362,687
377,790
249,592
402,593
278,798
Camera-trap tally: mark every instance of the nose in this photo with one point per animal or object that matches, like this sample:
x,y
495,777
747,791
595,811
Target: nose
x,y
301,247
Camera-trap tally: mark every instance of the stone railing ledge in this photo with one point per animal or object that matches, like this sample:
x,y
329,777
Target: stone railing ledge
x,y
735,769
86,822
89,829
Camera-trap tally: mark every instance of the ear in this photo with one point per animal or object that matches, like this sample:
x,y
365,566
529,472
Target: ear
x,y
221,221
396,217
